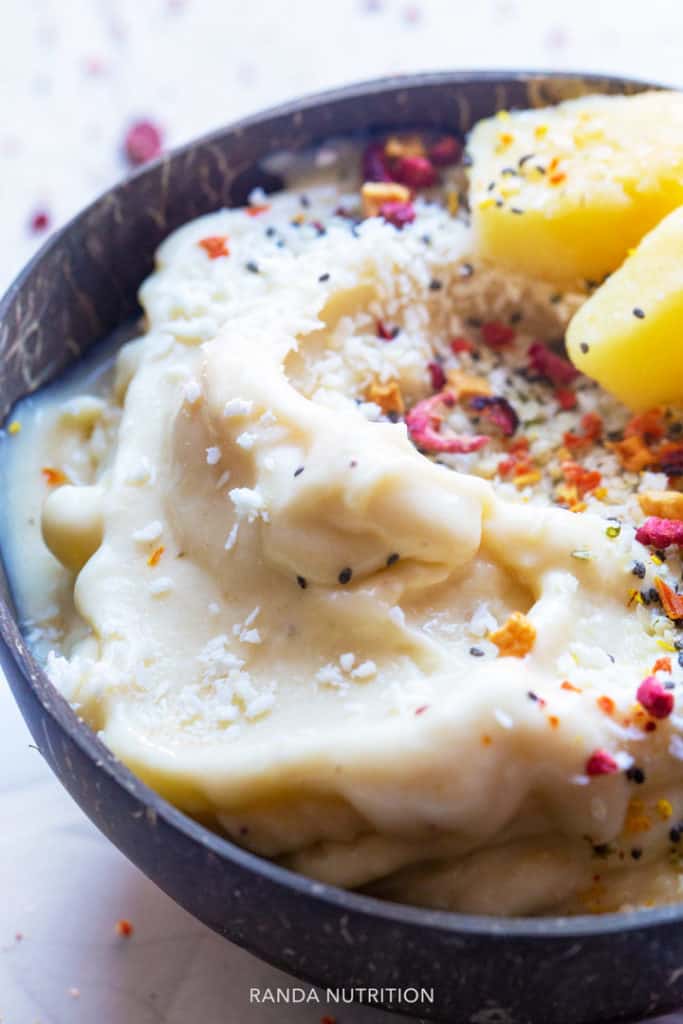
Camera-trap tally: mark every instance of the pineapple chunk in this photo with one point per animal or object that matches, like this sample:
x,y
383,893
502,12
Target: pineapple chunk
x,y
562,193
627,335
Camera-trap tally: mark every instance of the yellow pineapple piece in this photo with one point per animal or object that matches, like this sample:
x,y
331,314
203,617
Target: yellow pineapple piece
x,y
627,336
564,192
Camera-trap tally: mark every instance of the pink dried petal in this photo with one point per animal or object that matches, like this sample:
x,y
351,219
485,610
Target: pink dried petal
x,y
415,171
499,411
437,375
548,364
40,221
375,163
446,151
660,533
601,763
657,701
497,334
424,423
397,213
142,142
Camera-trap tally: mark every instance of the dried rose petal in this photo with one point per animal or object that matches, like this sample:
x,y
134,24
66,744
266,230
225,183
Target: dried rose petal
x,y
375,163
601,763
142,142
437,375
414,171
424,422
499,411
660,533
385,332
397,213
446,151
497,334
566,399
657,701
459,345
548,364
40,221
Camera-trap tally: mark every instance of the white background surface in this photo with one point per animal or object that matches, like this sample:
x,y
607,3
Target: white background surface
x,y
73,73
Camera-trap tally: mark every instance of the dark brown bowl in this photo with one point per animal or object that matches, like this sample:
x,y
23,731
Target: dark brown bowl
x,y
483,970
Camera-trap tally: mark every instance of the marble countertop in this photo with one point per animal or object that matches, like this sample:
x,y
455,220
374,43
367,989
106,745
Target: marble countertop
x,y
74,74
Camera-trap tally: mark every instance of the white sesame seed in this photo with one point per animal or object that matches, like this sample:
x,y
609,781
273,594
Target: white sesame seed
x,y
365,670
396,615
232,538
149,533
503,719
237,407
246,440
191,391
259,705
347,661
213,456
250,636
141,473
214,608
223,479
164,585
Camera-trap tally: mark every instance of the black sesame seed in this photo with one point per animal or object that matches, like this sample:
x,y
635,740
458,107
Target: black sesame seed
x,y
253,267
299,471
516,318
270,231
305,202
557,297
393,558
584,347
324,277
601,850
636,853
427,239
639,313
301,580
638,570
531,695
435,285
635,774
675,834
490,187
654,596
345,575
516,209
465,270
523,159
476,652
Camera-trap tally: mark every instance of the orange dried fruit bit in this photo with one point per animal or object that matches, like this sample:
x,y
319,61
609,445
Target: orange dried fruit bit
x,y
467,385
124,928
606,704
648,424
672,603
374,194
516,637
155,556
387,396
663,504
662,665
215,246
566,685
257,208
633,453
54,477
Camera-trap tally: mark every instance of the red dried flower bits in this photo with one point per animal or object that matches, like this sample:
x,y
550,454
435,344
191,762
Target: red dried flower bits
x,y
215,246
566,399
498,411
375,164
446,151
415,171
497,334
460,345
143,142
601,763
657,701
660,533
385,331
397,213
437,375
548,364
424,425
40,221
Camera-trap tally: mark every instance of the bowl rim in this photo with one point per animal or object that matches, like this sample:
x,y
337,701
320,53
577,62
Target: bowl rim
x,y
88,742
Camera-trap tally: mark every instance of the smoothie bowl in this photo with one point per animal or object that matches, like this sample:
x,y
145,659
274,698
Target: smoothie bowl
x,y
344,579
